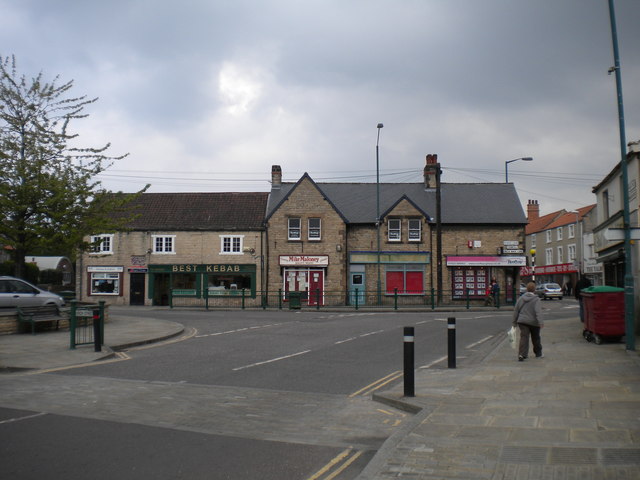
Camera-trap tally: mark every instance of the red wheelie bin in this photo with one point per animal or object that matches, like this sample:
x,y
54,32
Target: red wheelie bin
x,y
603,313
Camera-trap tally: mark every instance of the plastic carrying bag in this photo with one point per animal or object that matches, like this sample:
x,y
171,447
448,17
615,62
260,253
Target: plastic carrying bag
x,y
511,333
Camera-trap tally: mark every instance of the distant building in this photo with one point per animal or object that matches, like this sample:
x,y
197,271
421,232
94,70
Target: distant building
x,y
62,264
563,242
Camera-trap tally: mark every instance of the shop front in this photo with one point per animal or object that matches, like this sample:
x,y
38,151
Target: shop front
x,y
401,273
200,281
305,274
471,275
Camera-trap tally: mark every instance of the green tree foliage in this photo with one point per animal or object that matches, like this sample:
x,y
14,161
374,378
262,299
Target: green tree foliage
x,y
49,198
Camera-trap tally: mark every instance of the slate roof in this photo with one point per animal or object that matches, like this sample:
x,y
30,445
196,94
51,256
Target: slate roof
x,y
199,211
462,203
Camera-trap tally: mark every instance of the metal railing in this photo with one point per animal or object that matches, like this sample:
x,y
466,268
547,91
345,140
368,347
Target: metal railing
x,y
351,299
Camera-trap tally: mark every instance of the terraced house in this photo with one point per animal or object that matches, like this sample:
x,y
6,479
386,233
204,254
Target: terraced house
x,y
183,245
329,243
325,240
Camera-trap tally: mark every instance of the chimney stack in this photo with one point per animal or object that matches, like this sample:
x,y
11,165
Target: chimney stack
x,y
276,176
533,210
431,170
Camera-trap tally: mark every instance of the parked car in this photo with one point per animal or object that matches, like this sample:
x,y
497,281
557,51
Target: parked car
x,y
15,292
549,291
523,289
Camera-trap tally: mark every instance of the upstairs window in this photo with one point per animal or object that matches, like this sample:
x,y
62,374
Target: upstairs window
x,y
572,231
560,254
533,240
559,233
415,226
102,244
294,229
395,230
548,236
163,243
231,244
315,232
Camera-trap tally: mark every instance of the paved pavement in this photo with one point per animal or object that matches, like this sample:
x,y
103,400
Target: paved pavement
x,y
573,414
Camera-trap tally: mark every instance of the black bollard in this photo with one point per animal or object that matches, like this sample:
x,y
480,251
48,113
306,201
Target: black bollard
x,y
97,338
451,341
409,368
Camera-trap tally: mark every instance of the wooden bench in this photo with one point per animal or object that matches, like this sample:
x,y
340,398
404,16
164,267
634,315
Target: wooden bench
x,y
41,314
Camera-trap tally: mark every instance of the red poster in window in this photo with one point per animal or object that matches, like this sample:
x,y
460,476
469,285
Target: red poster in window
x,y
414,283
395,280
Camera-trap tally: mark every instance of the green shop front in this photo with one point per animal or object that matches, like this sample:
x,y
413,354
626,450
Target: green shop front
x,y
200,282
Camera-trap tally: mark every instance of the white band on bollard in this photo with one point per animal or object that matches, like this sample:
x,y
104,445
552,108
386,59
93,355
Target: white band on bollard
x,y
408,339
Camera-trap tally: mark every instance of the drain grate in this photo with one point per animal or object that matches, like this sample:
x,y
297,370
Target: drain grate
x,y
621,456
573,456
527,455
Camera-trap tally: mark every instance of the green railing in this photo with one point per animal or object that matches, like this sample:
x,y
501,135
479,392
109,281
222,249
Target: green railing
x,y
318,299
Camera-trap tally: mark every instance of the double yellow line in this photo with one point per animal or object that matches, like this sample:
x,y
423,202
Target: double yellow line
x,y
337,465
372,387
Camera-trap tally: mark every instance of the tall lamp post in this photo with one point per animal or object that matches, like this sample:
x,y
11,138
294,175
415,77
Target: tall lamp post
x,y
506,166
379,283
629,302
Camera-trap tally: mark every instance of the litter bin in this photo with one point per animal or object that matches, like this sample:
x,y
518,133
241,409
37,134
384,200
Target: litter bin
x,y
603,313
294,300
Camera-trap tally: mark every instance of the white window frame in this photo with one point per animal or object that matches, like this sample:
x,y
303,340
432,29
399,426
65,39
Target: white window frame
x,y
548,254
533,240
105,247
312,229
415,230
99,277
231,244
294,232
559,233
394,233
572,253
560,255
572,231
167,248
548,232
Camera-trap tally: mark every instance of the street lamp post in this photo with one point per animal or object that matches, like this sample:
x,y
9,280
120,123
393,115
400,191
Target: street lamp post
x,y
506,166
379,282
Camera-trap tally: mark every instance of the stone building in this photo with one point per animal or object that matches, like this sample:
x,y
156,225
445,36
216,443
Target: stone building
x,y
324,240
182,245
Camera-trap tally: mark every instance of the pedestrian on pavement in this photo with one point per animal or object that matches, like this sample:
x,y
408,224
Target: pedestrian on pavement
x,y
527,315
583,283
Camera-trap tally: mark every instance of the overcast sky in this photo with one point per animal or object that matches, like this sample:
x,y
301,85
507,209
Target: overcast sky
x,y
206,95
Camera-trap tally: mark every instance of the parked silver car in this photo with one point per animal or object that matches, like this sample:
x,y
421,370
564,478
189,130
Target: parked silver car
x,y
15,292
549,291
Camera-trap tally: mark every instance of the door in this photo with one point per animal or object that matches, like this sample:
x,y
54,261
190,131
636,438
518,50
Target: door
x,y
316,287
136,289
356,288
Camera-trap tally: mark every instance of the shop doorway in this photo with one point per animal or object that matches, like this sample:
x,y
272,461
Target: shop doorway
x,y
356,288
161,285
309,282
136,288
